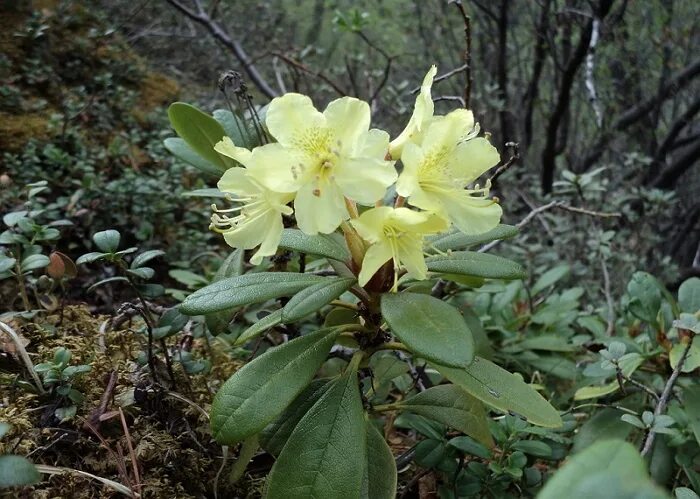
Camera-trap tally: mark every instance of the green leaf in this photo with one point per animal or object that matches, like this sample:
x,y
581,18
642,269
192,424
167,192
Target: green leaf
x,y
603,425
475,264
470,446
235,128
533,448
379,480
107,281
549,278
232,266
107,240
429,453
16,471
692,361
429,327
689,295
257,393
691,403
6,263
504,391
325,455
645,296
179,148
245,289
311,299
145,257
33,262
144,273
200,131
189,279
685,493
275,435
11,219
610,468
628,364
321,244
457,240
269,321
90,257
450,405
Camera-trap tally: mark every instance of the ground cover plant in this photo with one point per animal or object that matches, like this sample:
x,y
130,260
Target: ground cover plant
x,y
405,288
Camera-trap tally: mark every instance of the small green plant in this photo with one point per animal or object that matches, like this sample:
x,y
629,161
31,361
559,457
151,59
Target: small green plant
x,y
15,471
59,376
23,245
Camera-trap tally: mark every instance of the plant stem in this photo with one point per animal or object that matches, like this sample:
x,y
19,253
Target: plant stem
x,y
24,355
248,449
20,284
665,395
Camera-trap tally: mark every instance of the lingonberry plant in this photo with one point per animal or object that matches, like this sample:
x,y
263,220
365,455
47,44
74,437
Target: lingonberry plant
x,y
385,243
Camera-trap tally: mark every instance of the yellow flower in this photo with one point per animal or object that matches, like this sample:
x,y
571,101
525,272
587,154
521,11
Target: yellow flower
x,y
396,234
322,158
258,219
437,170
422,115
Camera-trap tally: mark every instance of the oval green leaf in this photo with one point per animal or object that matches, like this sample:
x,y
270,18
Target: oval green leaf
x,y
179,148
379,480
16,471
245,289
608,468
200,131
452,406
504,391
458,240
320,244
310,299
107,240
429,327
256,394
325,455
475,264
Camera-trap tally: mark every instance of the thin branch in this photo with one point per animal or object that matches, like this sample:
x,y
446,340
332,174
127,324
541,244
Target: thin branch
x,y
610,330
467,52
590,70
665,395
514,157
200,16
450,98
306,69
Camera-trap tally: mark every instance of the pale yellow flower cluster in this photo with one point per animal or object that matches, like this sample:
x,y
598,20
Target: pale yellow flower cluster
x,y
326,163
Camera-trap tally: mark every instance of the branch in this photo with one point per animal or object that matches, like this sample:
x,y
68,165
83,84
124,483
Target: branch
x,y
676,128
445,76
632,115
306,69
467,52
590,69
610,330
200,16
665,395
667,178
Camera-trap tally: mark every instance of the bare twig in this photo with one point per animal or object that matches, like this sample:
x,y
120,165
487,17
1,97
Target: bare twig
x,y
444,76
54,470
467,51
514,157
665,395
610,330
132,454
306,69
456,98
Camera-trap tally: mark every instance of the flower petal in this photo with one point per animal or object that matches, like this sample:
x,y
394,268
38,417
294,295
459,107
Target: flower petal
x,y
370,225
376,144
422,111
272,236
472,158
290,115
349,118
411,257
408,181
278,168
237,181
364,180
226,147
420,222
472,215
322,213
376,256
